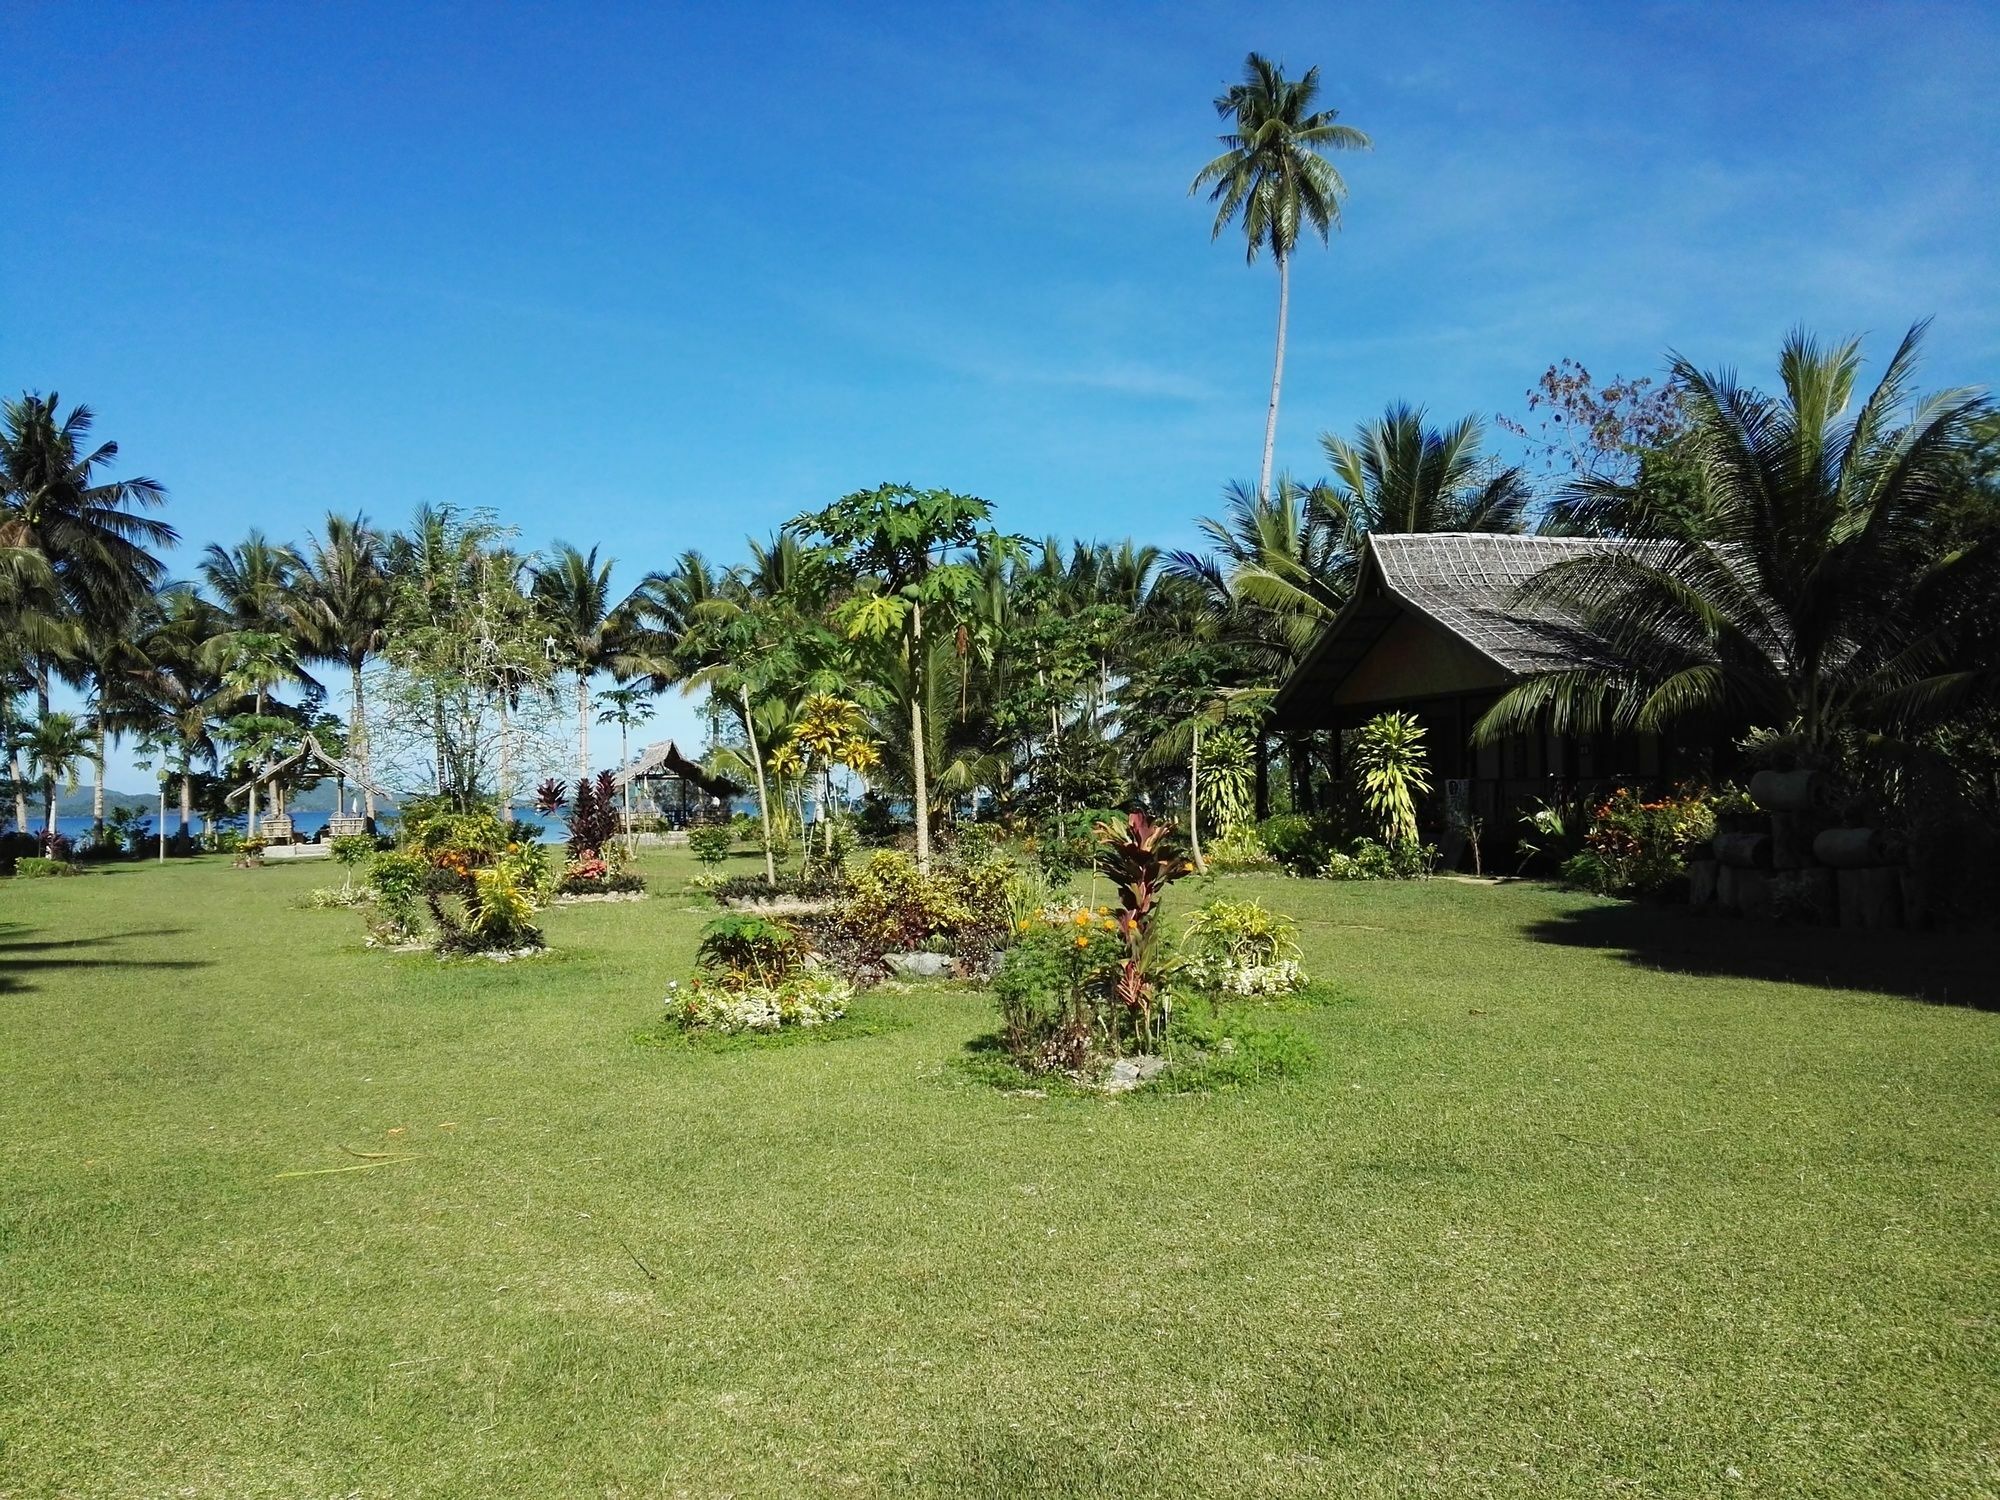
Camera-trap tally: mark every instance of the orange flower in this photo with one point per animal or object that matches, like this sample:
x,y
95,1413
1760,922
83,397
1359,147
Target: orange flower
x,y
1083,942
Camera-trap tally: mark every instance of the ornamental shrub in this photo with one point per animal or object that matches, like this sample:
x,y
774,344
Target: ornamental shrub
x,y
819,885
1056,987
893,907
1241,948
1389,767
34,867
1240,849
709,843
743,949
1365,859
805,998
1300,843
1642,847
1137,856
398,880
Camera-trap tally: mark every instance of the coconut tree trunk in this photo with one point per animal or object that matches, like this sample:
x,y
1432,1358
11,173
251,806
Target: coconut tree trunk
x,y
1194,801
187,799
253,774
1277,375
582,724
763,790
97,783
19,771
919,771
48,773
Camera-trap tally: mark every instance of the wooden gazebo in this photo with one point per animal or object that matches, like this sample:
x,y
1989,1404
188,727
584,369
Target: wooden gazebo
x,y
276,826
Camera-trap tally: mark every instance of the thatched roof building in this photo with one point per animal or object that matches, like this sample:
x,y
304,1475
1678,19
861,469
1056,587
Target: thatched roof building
x,y
1437,627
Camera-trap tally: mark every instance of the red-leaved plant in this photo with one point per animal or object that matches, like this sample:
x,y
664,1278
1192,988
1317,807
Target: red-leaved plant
x,y
1136,859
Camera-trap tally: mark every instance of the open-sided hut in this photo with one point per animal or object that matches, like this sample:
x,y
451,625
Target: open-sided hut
x,y
665,785
275,827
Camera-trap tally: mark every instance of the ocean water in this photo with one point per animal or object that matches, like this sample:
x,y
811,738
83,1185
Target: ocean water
x,y
305,823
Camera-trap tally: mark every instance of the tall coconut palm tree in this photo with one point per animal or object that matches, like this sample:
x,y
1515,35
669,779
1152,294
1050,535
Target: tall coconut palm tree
x,y
1272,174
573,591
28,632
181,696
253,581
113,661
94,542
340,609
1818,593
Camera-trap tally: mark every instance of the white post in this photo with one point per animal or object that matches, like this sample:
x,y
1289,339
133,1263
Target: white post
x,y
163,822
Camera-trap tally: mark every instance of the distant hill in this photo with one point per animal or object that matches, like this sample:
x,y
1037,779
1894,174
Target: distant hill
x,y
76,804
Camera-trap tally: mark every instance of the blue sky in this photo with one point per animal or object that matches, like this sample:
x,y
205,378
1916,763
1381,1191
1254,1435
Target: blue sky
x,y
661,276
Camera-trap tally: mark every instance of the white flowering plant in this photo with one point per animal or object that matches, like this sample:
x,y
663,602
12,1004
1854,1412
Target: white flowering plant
x,y
1241,948
806,997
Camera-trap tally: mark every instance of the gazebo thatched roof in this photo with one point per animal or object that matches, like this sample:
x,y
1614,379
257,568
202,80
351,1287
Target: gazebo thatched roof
x,y
311,749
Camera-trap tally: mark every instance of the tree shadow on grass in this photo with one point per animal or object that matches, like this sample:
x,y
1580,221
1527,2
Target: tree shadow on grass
x,y
1940,968
23,954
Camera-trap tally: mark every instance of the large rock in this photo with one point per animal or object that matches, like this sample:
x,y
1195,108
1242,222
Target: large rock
x,y
1127,1073
920,965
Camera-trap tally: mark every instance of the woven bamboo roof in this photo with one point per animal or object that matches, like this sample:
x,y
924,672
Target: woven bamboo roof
x,y
1468,583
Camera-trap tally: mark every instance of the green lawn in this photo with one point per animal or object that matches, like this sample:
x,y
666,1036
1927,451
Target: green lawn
x,y
1580,1200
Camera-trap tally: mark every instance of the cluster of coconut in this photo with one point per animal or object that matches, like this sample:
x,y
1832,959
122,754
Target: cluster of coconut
x,y
1794,858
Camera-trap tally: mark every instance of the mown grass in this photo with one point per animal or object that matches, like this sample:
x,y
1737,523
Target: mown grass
x,y
1577,1200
